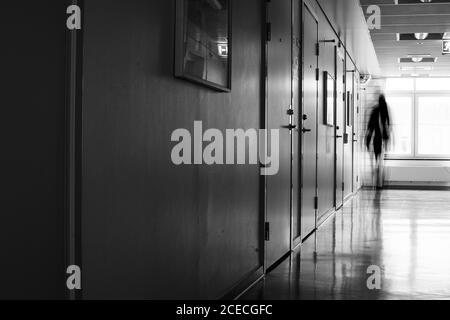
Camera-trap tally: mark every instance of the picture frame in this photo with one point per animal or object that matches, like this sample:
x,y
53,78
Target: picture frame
x,y
329,87
203,50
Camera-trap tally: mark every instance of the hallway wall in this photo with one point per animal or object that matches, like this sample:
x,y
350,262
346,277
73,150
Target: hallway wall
x,y
151,229
331,18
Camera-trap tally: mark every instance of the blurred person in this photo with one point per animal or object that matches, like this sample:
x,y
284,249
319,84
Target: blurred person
x,y
377,138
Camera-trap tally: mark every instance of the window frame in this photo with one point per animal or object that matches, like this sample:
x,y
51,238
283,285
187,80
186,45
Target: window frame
x,y
415,95
434,94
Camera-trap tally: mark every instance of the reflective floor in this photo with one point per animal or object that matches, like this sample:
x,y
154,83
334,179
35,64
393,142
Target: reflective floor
x,y
406,234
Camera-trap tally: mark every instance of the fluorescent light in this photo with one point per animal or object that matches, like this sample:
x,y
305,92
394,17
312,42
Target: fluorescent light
x,y
422,55
421,68
421,35
418,57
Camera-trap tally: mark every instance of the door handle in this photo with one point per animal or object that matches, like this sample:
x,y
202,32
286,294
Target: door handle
x,y
290,127
306,130
339,137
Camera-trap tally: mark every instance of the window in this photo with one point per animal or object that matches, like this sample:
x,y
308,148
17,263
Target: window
x,y
433,84
401,113
433,125
400,84
420,117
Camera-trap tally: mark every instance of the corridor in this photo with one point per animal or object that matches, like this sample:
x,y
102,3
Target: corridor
x,y
405,233
214,150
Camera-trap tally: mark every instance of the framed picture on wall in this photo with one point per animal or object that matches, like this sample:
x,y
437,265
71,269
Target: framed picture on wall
x,y
203,42
328,100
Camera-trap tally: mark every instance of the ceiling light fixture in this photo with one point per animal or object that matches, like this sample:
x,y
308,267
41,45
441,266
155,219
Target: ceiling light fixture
x,y
418,57
422,55
416,69
421,35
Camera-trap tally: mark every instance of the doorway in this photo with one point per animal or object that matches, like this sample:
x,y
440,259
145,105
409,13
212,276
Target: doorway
x,y
278,116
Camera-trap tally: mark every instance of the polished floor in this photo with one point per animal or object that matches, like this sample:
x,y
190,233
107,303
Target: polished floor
x,y
404,233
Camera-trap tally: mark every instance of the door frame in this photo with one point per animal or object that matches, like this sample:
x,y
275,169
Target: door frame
x,y
340,55
73,149
309,7
297,8
265,123
350,72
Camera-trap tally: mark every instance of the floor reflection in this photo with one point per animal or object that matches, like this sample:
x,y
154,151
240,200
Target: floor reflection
x,y
405,233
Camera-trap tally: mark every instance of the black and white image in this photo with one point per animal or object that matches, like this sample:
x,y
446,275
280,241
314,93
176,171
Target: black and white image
x,y
244,151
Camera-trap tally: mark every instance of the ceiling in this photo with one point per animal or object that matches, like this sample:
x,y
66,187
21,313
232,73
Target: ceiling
x,y
408,17
348,21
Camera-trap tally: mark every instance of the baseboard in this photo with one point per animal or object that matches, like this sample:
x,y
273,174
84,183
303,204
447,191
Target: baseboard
x,y
411,186
325,217
242,287
278,262
417,187
347,198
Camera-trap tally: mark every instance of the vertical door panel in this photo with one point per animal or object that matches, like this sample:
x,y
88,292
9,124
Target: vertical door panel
x,y
309,127
296,65
348,141
356,126
278,103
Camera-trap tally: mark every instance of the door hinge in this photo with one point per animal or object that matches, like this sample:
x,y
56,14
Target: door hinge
x,y
269,31
343,186
317,49
267,231
317,74
316,203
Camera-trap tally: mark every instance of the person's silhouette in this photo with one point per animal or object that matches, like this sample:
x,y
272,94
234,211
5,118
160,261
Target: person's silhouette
x,y
378,134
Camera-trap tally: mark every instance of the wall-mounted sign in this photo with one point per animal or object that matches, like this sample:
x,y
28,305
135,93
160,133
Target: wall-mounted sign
x,y
222,48
445,46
